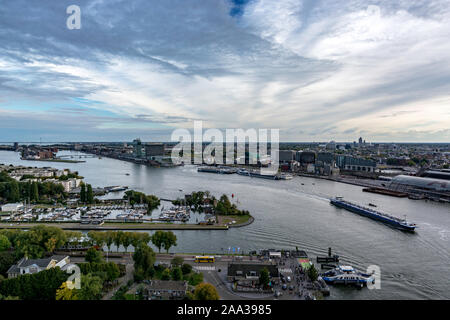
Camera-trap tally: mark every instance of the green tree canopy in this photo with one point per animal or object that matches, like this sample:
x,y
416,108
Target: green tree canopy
x,y
312,273
176,274
89,195
144,259
93,255
158,239
264,277
169,240
206,291
91,287
177,261
5,244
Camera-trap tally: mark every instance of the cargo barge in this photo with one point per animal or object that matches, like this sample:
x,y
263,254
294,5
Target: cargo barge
x,y
395,222
258,174
219,170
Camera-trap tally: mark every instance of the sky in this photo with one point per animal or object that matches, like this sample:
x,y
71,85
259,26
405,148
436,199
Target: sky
x,y
317,70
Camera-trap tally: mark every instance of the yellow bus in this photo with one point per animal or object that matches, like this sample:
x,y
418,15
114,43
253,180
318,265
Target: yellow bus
x,y
204,259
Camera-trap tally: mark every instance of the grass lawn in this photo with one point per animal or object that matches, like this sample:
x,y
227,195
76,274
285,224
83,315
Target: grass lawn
x,y
239,219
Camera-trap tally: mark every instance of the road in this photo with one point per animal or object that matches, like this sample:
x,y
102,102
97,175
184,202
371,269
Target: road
x,y
129,268
214,273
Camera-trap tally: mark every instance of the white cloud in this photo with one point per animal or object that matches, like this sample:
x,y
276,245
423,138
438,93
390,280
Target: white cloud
x,y
321,66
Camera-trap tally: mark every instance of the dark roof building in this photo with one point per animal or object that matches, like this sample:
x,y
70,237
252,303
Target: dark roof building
x,y
419,183
166,290
250,271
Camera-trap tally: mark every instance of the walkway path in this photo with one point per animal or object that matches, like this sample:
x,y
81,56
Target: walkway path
x,y
127,277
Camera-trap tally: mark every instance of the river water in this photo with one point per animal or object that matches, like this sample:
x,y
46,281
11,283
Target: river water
x,y
297,212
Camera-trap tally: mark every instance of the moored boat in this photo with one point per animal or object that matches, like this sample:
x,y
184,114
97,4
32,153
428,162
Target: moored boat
x,y
347,275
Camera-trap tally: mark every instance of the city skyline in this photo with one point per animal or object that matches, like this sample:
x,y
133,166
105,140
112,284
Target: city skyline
x,y
317,70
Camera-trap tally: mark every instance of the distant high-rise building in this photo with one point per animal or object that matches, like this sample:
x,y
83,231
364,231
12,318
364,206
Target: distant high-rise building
x,y
137,148
360,141
16,146
331,145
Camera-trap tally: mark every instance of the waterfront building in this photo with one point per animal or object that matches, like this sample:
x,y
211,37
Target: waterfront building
x,y
31,266
437,174
286,155
248,273
137,148
350,163
307,157
437,188
12,207
154,150
325,157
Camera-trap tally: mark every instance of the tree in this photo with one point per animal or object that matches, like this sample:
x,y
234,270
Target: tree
x,y
65,293
152,202
98,237
91,287
186,268
39,239
312,273
195,278
7,258
264,278
144,259
34,192
177,261
93,255
83,193
14,193
37,286
206,291
127,239
169,240
5,244
109,239
177,274
158,239
118,238
89,195
165,274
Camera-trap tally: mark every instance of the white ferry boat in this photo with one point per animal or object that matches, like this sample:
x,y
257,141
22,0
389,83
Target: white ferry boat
x,y
347,275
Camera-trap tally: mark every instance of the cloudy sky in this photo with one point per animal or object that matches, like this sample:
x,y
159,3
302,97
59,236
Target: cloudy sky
x,y
317,70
